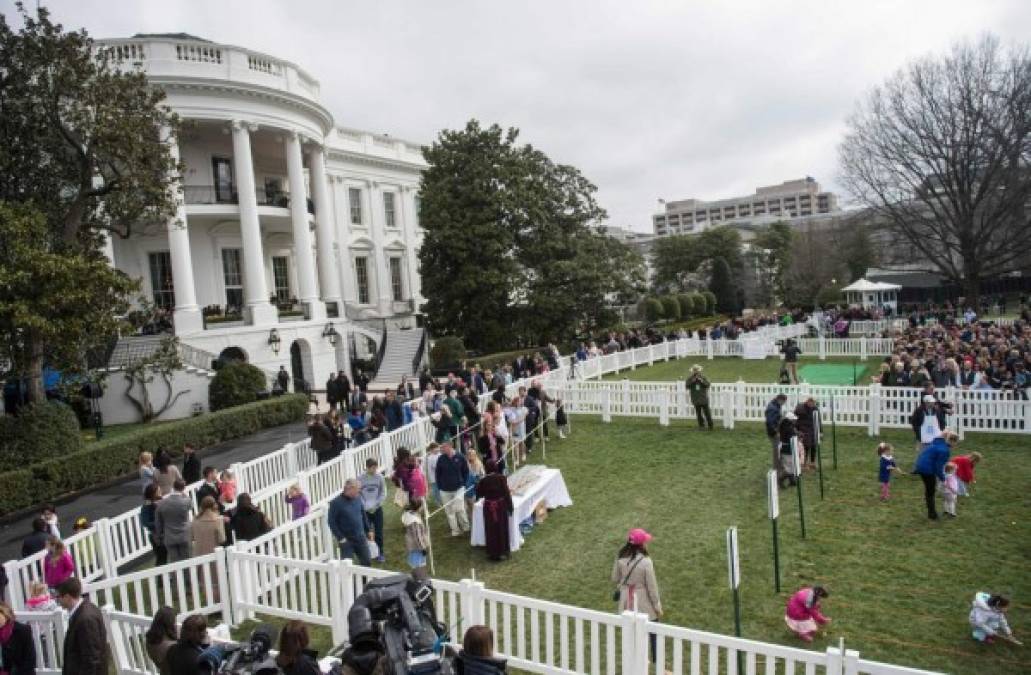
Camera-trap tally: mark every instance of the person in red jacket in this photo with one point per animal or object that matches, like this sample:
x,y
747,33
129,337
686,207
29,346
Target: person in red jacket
x,y
965,470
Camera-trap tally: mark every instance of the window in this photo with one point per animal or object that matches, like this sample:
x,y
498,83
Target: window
x,y
161,279
232,273
354,198
418,206
388,209
281,278
396,286
361,271
222,174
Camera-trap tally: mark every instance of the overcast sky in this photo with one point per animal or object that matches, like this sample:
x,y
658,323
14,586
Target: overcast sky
x,y
649,99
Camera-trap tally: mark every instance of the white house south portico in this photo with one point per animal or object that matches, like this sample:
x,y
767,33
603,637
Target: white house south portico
x,y
283,221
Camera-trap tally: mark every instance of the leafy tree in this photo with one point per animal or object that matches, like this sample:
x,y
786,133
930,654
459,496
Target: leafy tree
x,y
941,152
141,372
671,307
679,257
853,246
234,384
508,255
81,148
772,246
447,352
710,302
723,287
686,305
55,303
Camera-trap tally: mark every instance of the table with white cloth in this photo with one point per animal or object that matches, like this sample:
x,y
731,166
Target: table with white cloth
x,y
547,486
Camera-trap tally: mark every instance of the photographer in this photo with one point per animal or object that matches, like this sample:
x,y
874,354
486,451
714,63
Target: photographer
x,y
294,657
790,350
183,658
477,655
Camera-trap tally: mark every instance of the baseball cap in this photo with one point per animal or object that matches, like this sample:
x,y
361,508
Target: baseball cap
x,y
638,537
928,399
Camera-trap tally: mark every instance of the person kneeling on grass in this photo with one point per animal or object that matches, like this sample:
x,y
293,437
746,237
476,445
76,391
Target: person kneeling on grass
x,y
803,615
988,619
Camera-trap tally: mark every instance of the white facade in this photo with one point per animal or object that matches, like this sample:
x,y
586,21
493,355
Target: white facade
x,y
242,257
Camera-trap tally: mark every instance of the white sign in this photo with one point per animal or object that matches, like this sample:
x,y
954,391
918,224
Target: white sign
x,y
772,494
754,348
796,467
733,566
817,426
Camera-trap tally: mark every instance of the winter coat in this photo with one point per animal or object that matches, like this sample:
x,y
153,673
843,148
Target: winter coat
x,y
985,618
932,460
698,386
478,665
637,574
802,607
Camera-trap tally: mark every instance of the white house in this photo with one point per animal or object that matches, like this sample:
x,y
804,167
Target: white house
x,y
293,234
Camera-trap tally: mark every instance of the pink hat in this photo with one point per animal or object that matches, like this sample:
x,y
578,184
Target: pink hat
x,y
638,537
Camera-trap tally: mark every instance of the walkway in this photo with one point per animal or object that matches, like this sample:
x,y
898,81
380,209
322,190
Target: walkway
x,y
121,497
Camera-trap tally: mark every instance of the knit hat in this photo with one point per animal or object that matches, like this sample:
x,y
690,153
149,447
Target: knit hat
x,y
638,537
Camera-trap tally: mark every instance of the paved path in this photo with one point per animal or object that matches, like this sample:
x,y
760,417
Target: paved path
x,y
119,498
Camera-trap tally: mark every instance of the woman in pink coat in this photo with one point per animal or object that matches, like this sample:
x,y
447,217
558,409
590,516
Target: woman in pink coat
x,y
803,612
58,564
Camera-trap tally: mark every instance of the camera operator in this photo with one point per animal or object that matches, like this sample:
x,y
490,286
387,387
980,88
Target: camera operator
x,y
294,657
477,655
790,350
184,657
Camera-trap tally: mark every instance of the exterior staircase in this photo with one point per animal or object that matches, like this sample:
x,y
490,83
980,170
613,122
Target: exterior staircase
x,y
132,348
403,354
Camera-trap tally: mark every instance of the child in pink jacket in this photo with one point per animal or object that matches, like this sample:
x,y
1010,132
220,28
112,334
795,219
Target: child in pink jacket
x,y
803,612
58,564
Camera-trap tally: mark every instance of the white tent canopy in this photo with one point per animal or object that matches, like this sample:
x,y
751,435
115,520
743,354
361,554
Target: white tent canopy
x,y
872,294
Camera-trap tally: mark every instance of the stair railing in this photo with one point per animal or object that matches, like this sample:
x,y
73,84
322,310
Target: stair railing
x,y
419,353
381,351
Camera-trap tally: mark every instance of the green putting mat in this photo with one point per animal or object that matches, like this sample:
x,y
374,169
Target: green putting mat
x,y
833,373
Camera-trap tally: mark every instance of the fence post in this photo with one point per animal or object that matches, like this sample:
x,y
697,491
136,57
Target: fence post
x,y
629,642
664,404
606,405
291,458
241,479
850,662
228,592
875,409
15,585
739,402
708,348
115,638
823,347
833,661
338,603
471,603
728,408
684,399
239,585
862,348
107,549
625,408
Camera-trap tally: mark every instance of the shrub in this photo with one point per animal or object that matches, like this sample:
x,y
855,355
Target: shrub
x,y
652,309
235,384
40,431
686,308
697,303
116,458
670,307
710,302
447,351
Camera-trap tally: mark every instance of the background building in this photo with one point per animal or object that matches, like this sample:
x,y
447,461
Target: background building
x,y
292,233
795,201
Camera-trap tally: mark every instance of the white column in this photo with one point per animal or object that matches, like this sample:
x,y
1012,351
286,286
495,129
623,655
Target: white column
x,y
377,226
411,243
187,314
259,311
342,248
308,293
329,282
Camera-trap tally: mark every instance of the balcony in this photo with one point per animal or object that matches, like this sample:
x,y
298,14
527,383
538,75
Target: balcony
x,y
208,194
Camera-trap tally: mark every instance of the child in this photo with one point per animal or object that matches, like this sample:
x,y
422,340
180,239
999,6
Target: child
x,y
476,472
40,599
417,539
227,487
374,493
803,612
298,501
58,564
49,515
146,469
988,619
884,451
561,420
432,455
950,489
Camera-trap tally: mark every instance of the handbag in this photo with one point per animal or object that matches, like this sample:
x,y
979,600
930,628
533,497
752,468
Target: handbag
x,y
615,593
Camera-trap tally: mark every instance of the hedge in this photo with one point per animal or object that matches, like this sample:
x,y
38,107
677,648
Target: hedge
x,y
447,352
104,461
39,432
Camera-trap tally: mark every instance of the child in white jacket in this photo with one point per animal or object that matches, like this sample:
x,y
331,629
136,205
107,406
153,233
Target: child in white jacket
x,y
988,618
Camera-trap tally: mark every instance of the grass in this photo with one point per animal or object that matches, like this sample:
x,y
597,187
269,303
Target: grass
x,y
900,585
730,369
89,435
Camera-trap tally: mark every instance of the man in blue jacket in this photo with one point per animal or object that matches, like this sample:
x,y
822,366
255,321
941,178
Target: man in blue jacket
x,y
930,466
349,524
451,474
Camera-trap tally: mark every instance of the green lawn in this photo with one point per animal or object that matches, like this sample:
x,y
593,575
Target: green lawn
x,y
900,585
89,435
731,369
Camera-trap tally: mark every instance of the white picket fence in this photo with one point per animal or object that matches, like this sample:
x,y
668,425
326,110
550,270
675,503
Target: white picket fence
x,y
533,635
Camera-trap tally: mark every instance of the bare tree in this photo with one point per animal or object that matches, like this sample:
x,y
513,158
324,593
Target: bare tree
x,y
941,153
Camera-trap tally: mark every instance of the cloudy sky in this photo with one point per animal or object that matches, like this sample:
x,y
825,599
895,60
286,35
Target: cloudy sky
x,y
649,99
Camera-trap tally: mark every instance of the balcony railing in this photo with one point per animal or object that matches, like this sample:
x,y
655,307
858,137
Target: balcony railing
x,y
208,194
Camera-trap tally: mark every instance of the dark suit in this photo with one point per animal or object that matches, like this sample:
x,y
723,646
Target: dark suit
x,y
85,642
